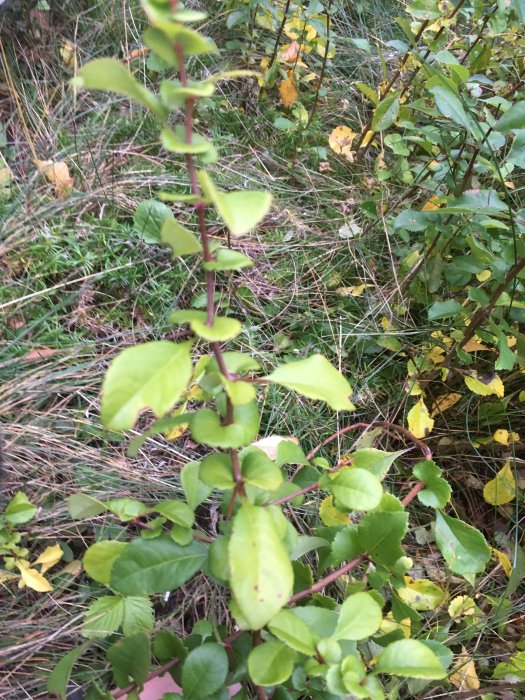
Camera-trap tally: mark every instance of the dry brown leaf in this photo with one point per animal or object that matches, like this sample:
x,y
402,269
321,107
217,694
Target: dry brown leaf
x,y
39,354
443,403
57,173
289,52
288,92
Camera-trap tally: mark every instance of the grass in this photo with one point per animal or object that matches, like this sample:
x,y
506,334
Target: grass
x,y
79,284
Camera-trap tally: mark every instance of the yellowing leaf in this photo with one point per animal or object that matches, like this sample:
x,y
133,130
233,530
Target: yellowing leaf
x,y
421,594
504,437
49,557
390,625
485,386
32,579
432,203
443,403
57,173
511,341
295,26
178,430
68,54
420,423
436,355
290,52
484,275
461,605
288,92
387,325
464,675
330,515
474,345
521,396
502,488
503,560
368,137
340,140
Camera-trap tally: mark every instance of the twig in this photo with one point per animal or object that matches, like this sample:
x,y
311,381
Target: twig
x,y
279,34
323,67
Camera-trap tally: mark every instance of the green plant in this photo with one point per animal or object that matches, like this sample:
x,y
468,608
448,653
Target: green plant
x,y
317,615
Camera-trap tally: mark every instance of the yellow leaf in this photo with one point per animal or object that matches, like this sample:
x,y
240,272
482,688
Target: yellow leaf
x,y
49,557
461,605
340,140
265,62
420,423
57,173
270,444
330,515
32,579
432,203
521,396
504,437
443,403
390,625
484,275
503,560
178,430
288,92
421,594
68,54
387,325
73,568
368,137
485,386
502,488
436,354
474,345
464,675
295,26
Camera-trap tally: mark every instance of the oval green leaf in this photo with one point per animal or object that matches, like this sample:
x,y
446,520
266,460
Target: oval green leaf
x,y
270,663
410,659
356,489
360,616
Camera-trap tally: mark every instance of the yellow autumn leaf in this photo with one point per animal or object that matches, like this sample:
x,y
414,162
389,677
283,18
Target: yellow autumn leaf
x,y
461,605
420,423
288,92
485,386
521,396
68,54
57,173
340,140
432,203
436,355
33,579
421,594
49,557
503,560
330,515
178,430
390,625
511,341
484,275
443,403
502,488
295,27
504,437
464,675
368,137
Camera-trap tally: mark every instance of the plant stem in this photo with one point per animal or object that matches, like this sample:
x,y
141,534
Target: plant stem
x,y
323,67
328,579
279,34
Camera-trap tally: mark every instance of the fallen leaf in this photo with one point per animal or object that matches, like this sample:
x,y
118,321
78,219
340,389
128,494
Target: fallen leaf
x,y
504,437
443,403
57,173
368,137
355,291
503,560
288,92
502,488
340,141
68,54
485,385
420,423
32,579
464,675
39,354
432,203
49,557
474,346
289,52
436,355
270,444
324,165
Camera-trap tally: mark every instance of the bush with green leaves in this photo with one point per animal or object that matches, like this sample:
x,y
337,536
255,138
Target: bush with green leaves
x,y
322,611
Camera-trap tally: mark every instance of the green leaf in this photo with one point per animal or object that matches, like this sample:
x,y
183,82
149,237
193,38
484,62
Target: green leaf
x,y
258,470
380,534
315,378
160,44
514,118
227,259
270,663
236,363
444,309
180,239
126,508
437,492
151,375
155,566
291,630
195,490
464,548
173,94
81,506
378,462
104,616
360,617
193,43
222,329
19,509
130,658
138,615
58,681
149,218
111,75
241,211
216,471
100,557
261,572
239,392
206,428
412,220
356,489
475,201
385,113
410,659
204,671
450,106
174,140
506,358
176,511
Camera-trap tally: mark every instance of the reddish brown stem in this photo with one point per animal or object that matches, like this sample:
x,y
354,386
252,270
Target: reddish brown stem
x,y
291,496
419,486
328,579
